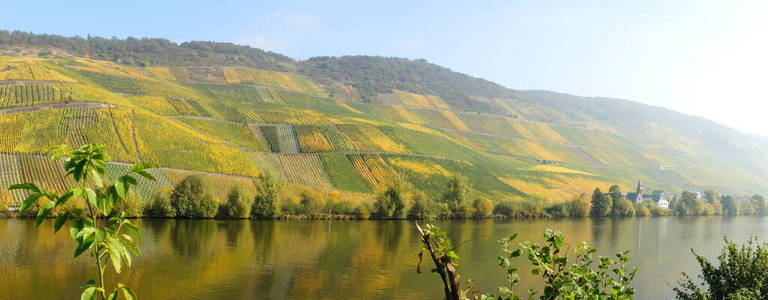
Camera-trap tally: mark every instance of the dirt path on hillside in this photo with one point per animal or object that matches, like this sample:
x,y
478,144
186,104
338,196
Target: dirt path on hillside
x,y
584,155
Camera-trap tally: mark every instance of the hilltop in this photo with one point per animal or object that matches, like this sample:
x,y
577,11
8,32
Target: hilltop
x,y
351,123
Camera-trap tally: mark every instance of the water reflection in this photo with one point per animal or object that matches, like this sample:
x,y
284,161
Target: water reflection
x,y
211,259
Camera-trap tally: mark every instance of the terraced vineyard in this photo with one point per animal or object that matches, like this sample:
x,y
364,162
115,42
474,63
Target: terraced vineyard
x,y
354,131
12,95
305,169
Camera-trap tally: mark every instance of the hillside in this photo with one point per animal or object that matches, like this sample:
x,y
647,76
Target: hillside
x,y
351,124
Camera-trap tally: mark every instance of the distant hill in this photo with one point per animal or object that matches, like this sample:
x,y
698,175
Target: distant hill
x,y
352,123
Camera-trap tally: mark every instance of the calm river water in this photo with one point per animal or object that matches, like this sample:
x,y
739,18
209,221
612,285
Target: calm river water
x,y
208,259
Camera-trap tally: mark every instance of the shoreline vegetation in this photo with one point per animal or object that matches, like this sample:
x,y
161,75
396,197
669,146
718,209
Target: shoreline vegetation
x,y
192,198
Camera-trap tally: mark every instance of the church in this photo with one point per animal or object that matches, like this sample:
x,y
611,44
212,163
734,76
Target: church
x,y
657,196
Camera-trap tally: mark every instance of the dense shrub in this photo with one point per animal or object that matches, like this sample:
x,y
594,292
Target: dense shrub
x,y
456,195
191,198
643,211
161,204
659,211
131,206
623,208
513,209
421,206
363,212
580,206
483,207
238,205
559,210
312,201
266,203
742,274
394,201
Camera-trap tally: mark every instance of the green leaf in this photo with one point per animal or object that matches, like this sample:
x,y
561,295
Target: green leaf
x,y
127,292
146,175
89,294
90,195
24,186
31,199
96,178
88,284
120,187
112,296
75,227
60,220
64,198
44,211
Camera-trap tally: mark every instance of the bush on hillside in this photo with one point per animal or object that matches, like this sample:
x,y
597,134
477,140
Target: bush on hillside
x,y
131,206
312,201
266,203
421,206
623,208
161,206
394,201
191,198
238,205
483,207
580,206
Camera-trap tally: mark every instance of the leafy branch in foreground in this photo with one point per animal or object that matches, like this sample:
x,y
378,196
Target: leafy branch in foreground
x,y
564,278
742,274
115,240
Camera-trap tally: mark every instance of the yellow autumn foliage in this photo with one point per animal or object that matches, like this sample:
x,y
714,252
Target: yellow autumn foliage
x,y
424,168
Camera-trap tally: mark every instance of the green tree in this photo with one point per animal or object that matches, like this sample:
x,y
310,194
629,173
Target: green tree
x,y
113,241
394,201
580,206
266,203
130,207
711,197
483,207
623,208
742,274
643,211
615,192
312,201
758,202
238,204
421,206
601,204
161,204
730,207
456,193
688,204
191,198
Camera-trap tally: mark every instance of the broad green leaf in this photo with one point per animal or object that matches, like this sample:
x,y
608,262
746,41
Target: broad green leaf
x,y
91,196
60,220
25,186
120,187
96,178
146,175
31,199
112,296
89,293
64,198
88,284
44,211
127,292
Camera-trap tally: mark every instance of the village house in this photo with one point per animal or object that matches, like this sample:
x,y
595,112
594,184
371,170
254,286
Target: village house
x,y
657,196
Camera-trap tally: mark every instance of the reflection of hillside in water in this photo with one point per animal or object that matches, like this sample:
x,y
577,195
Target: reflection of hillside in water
x,y
209,259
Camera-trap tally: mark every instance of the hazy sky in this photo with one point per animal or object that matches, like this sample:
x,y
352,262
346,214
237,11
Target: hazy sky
x,y
707,58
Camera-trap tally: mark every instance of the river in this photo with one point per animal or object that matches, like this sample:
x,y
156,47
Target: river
x,y
212,259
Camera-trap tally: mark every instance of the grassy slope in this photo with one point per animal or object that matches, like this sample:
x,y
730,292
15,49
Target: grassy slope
x,y
222,120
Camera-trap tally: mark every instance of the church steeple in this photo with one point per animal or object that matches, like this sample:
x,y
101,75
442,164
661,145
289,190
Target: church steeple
x,y
639,188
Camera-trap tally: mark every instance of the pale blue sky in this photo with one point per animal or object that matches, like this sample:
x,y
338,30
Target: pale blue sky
x,y
707,58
